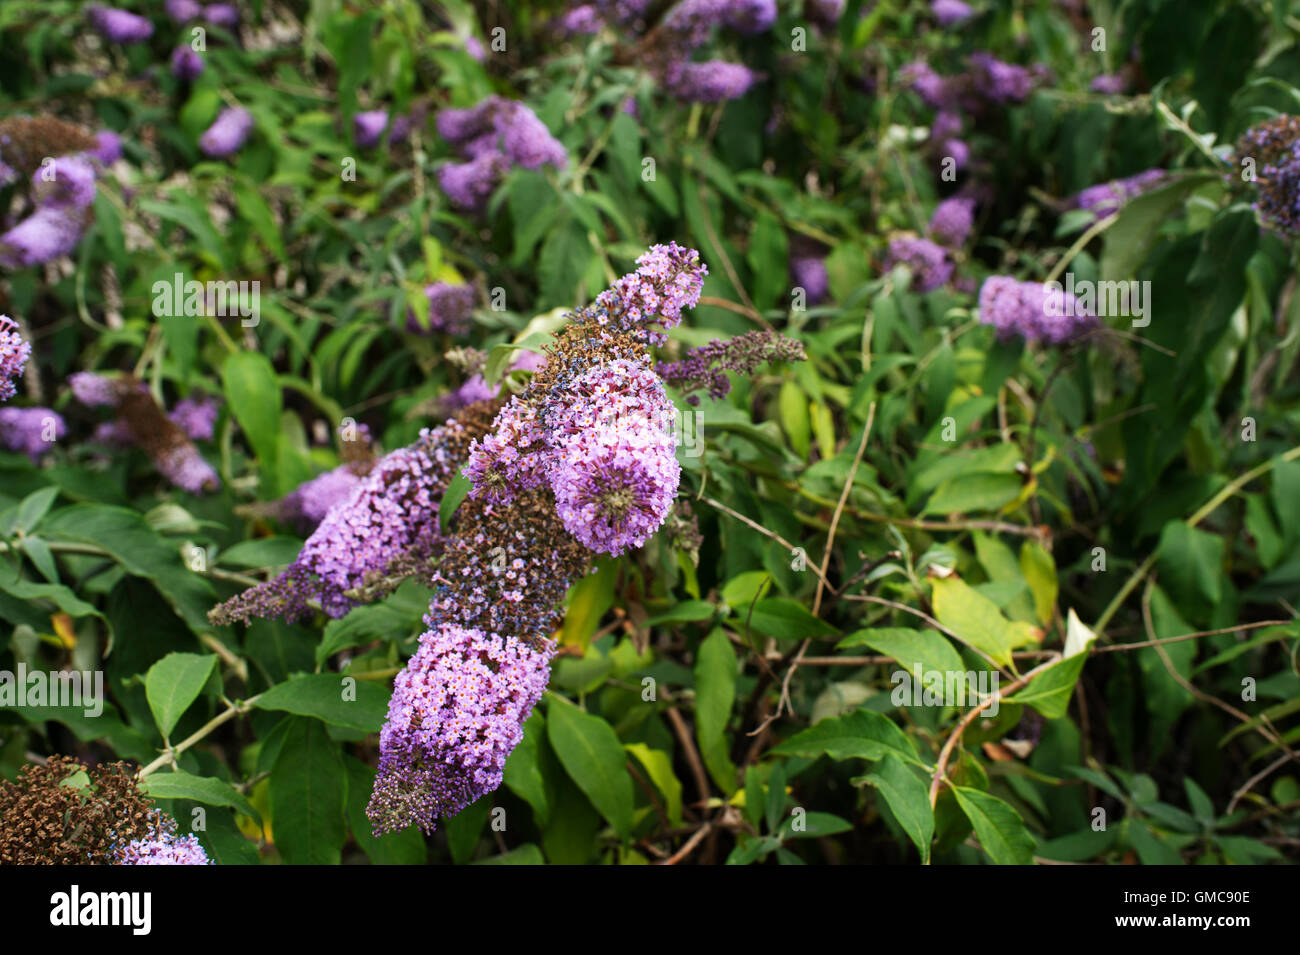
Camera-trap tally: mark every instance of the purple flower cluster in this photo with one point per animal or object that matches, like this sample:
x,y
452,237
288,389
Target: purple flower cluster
x,y
951,222
119,26
824,13
614,471
167,439
308,503
950,12
450,308
197,417
187,63
391,514
1106,198
493,136
218,14
1109,83
227,133
368,128
928,262
1032,310
14,352
808,272
707,365
64,192
648,301
1001,82
162,846
25,430
1275,148
456,713
711,81
108,147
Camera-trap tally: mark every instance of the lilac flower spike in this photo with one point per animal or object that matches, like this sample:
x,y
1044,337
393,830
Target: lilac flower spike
x,y
182,11
368,126
187,64
929,262
14,353
457,711
25,429
119,26
950,12
1106,198
712,82
392,514
108,149
1032,310
163,847
197,417
952,220
227,133
450,307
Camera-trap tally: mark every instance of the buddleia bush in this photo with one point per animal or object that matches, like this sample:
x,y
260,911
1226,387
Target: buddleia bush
x,y
622,432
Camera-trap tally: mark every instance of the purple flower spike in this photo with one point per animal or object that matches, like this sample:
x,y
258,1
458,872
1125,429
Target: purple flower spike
x,y
929,262
950,12
952,220
30,431
119,26
457,712
1032,310
182,11
712,82
14,353
187,63
108,149
227,134
450,307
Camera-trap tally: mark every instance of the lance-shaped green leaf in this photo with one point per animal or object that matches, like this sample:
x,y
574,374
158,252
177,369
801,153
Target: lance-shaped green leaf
x,y
999,827
1050,691
908,799
591,754
978,621
204,789
173,683
861,734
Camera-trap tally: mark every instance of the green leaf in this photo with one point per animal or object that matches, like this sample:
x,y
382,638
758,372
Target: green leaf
x,y
587,601
523,773
915,650
1040,571
861,734
308,791
783,618
173,683
999,827
715,693
337,699
125,536
457,489
659,767
591,754
32,508
1050,691
977,620
1191,563
971,493
527,854
793,407
1136,230
908,799
251,390
204,789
